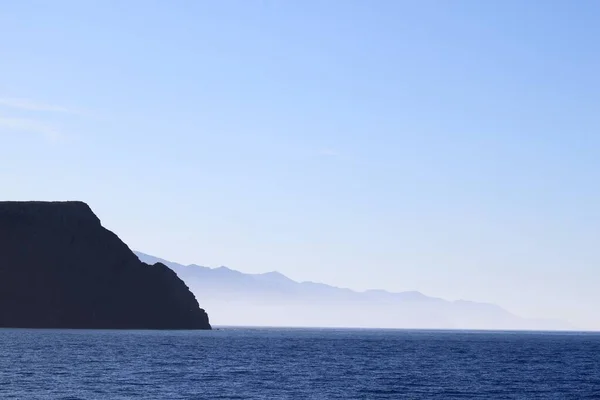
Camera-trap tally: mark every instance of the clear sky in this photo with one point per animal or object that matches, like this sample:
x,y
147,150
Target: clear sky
x,y
450,147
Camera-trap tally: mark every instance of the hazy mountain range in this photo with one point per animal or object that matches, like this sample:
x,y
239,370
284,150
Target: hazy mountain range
x,y
272,299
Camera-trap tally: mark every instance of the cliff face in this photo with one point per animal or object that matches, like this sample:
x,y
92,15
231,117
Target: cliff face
x,y
59,268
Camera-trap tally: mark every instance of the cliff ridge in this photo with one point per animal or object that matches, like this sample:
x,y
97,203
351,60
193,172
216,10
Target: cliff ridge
x,y
59,268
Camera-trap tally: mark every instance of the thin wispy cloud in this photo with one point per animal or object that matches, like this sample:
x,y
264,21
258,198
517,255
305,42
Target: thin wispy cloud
x,y
26,115
329,153
30,126
30,105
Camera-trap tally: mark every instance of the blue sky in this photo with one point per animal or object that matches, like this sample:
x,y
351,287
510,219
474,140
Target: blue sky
x,y
446,147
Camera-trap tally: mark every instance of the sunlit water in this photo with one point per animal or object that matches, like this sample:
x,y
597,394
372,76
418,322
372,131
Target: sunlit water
x,y
236,363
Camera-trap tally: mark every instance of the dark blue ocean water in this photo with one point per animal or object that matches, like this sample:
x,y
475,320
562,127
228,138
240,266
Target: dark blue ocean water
x,y
237,363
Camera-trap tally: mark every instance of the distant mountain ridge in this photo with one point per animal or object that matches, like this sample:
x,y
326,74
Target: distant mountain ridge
x,y
194,271
273,299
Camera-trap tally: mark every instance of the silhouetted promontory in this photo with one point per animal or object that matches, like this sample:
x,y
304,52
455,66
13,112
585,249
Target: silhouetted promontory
x,y
59,268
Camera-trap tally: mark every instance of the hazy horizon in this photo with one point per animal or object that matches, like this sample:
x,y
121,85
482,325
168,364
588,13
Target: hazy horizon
x,y
271,299
445,147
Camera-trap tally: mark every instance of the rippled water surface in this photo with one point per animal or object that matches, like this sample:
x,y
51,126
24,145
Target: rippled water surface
x,y
239,363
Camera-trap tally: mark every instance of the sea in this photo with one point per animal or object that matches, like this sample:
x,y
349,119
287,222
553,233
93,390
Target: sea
x,y
277,363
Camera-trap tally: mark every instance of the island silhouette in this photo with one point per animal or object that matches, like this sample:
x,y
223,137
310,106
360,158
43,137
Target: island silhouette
x,y
59,268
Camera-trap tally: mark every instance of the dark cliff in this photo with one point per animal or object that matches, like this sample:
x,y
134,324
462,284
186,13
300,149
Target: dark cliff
x,y
59,268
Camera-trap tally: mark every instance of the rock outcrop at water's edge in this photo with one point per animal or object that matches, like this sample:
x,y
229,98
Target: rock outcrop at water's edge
x,y
59,268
